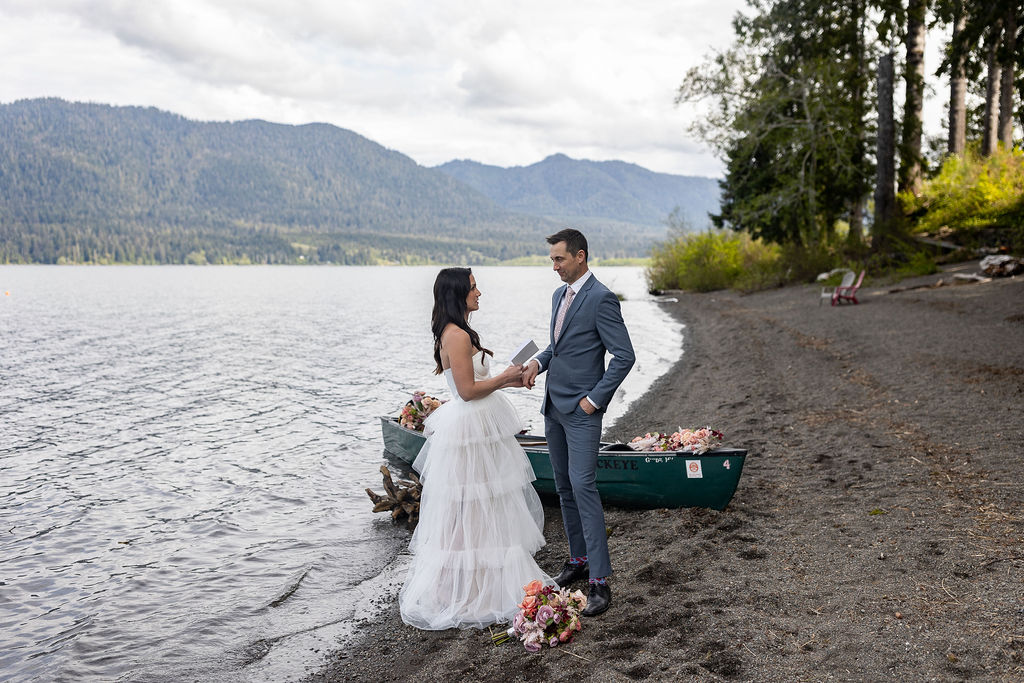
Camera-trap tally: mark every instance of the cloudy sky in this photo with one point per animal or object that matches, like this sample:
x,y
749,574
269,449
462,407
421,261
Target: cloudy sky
x,y
504,83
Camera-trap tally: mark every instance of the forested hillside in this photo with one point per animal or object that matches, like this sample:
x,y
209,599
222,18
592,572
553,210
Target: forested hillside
x,y
95,183
575,190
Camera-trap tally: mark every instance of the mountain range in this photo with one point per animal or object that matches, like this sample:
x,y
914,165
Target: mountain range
x,y
573,191
94,183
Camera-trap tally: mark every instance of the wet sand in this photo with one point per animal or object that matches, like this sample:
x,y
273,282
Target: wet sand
x,y
878,529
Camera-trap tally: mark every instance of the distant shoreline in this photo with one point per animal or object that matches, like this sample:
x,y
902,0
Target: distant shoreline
x,y
634,262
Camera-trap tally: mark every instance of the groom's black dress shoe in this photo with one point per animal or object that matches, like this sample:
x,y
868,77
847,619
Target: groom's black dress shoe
x,y
598,601
572,572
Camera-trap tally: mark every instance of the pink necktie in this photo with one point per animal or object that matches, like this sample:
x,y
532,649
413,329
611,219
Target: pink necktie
x,y
569,294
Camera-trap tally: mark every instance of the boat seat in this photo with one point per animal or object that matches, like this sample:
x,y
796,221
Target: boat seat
x,y
617,448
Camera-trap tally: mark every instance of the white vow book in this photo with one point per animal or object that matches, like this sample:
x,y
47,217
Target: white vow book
x,y
524,353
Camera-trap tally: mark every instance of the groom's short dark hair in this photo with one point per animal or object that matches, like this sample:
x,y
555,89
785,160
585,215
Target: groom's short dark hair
x,y
574,241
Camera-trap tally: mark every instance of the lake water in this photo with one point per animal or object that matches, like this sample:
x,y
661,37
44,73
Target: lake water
x,y
184,453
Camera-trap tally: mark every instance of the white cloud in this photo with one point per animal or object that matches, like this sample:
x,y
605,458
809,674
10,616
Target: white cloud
x,y
504,85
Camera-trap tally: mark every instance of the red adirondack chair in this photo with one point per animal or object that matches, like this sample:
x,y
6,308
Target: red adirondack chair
x,y
830,292
845,293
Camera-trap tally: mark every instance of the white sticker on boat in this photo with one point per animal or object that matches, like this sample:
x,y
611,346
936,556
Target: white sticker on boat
x,y
693,470
726,464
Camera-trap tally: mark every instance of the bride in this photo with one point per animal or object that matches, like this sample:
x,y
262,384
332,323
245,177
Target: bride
x,y
480,518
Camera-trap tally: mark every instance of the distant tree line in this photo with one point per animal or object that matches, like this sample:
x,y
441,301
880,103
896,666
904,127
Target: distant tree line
x,y
140,244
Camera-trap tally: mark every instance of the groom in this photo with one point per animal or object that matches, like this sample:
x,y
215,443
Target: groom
x,y
585,323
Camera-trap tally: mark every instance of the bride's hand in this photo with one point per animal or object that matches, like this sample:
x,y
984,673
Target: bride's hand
x,y
512,376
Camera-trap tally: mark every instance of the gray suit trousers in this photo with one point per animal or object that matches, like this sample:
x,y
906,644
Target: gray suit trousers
x,y
573,442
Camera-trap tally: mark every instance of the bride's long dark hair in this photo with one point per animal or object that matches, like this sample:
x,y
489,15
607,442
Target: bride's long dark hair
x,y
450,291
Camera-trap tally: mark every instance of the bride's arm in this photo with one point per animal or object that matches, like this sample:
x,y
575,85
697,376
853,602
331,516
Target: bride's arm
x,y
460,355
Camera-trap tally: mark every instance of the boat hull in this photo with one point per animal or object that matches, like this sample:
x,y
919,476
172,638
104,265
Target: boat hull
x,y
626,478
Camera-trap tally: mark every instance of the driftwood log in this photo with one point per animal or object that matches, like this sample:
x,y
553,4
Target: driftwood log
x,y
401,498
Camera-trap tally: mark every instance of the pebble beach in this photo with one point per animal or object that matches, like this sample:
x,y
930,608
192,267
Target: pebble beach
x,y
878,529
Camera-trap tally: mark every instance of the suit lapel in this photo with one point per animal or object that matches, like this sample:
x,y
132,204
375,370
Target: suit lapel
x,y
556,303
577,301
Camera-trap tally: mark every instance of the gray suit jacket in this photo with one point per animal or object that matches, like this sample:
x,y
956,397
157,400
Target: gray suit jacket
x,y
575,363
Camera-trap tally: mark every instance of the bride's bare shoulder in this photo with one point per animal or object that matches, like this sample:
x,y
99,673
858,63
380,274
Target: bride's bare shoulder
x,y
454,336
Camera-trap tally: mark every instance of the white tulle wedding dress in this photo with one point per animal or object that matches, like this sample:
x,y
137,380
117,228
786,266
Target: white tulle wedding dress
x,y
480,518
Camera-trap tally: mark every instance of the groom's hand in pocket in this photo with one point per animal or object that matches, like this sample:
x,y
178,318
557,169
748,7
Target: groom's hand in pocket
x,y
588,407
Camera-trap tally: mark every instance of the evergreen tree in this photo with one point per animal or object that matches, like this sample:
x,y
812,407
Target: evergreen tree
x,y
794,141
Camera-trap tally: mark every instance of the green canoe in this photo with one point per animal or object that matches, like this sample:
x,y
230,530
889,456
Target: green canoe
x,y
627,478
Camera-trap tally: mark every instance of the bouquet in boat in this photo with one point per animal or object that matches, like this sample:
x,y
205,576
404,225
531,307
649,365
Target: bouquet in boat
x,y
548,615
696,441
417,409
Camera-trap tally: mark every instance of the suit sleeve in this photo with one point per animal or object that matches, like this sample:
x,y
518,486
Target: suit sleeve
x,y
612,330
543,358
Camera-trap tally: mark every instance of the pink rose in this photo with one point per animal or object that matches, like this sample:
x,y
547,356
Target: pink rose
x,y
544,613
553,642
533,587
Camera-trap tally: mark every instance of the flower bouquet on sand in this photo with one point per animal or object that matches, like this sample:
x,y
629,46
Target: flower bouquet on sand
x,y
696,441
548,615
417,409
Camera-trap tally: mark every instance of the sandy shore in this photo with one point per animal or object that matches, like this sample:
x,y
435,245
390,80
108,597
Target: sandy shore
x,y
878,530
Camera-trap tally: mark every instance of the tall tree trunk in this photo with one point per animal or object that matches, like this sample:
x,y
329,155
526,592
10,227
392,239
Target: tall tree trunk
x,y
990,120
885,195
958,89
1005,132
855,236
910,145
1020,95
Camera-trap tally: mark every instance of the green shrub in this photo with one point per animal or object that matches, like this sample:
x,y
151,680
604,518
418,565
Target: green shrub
x,y
920,263
711,260
979,199
803,264
907,260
